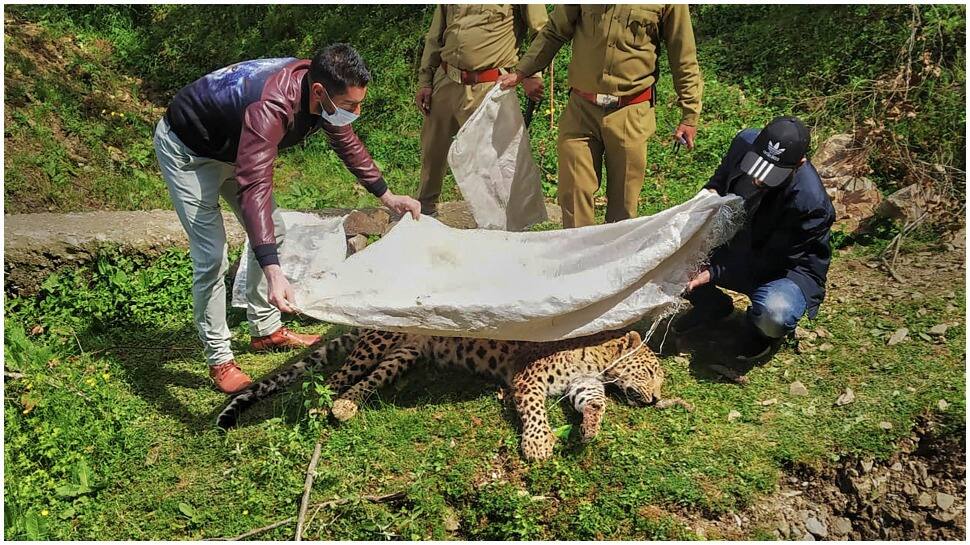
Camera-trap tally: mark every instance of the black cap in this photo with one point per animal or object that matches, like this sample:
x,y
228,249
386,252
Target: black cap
x,y
777,150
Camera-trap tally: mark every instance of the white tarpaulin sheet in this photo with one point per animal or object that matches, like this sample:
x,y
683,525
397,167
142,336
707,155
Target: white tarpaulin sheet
x,y
425,277
491,159
311,244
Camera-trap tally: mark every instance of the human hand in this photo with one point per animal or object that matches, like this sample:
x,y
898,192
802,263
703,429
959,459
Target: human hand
x,y
281,293
687,134
423,100
401,204
699,280
507,81
534,88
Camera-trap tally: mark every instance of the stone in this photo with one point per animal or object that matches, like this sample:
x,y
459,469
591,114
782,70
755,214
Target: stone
x,y
944,501
816,527
885,425
841,526
768,402
907,204
898,336
733,415
942,404
807,537
797,389
450,522
826,347
355,244
896,467
842,165
944,516
367,222
938,330
781,526
924,500
848,396
866,465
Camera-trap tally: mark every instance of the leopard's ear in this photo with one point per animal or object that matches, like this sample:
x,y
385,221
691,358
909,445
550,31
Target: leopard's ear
x,y
633,339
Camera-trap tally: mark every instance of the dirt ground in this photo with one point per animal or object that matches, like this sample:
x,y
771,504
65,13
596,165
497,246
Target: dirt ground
x,y
919,493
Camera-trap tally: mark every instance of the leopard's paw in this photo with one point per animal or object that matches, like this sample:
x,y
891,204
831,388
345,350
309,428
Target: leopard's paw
x,y
538,446
592,419
343,409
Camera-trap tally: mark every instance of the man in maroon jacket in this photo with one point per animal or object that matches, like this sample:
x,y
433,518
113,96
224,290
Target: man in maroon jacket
x,y
220,136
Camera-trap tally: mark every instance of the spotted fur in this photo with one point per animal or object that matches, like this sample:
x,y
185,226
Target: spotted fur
x,y
577,369
269,386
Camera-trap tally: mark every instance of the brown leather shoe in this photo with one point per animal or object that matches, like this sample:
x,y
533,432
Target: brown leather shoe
x,y
228,377
283,339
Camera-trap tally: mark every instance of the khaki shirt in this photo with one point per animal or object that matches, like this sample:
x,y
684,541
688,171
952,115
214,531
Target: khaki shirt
x,y
615,50
477,36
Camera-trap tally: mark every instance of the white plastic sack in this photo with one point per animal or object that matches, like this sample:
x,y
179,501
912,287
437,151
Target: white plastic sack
x,y
425,277
311,244
491,159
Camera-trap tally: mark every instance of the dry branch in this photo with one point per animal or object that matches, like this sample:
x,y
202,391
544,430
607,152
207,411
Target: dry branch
x,y
311,473
386,498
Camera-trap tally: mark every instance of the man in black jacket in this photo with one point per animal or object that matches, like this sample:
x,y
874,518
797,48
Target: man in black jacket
x,y
780,257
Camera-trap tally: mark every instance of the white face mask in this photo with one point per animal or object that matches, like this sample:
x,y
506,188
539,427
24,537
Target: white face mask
x,y
339,117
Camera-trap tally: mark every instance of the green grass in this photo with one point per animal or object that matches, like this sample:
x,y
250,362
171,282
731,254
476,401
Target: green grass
x,y
110,434
62,115
108,440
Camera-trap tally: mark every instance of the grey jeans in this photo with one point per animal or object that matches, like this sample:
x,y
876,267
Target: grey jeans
x,y
195,184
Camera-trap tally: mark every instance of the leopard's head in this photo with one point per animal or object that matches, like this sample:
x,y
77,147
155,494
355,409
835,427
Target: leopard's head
x,y
637,376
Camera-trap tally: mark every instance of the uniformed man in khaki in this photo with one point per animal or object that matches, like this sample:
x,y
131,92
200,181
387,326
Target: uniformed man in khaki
x,y
611,106
465,52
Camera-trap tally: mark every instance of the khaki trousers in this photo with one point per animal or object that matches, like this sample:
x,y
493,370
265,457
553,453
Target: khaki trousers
x,y
587,132
451,105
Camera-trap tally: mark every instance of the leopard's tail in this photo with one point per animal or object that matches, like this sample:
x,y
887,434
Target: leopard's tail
x,y
272,385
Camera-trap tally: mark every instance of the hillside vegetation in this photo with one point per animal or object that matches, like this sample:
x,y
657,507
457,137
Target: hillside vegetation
x,y
109,413
85,85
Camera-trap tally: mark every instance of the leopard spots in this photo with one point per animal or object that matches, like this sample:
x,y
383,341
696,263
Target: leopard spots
x,y
267,387
576,368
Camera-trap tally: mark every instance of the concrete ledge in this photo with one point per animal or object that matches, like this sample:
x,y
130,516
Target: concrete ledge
x,y
36,245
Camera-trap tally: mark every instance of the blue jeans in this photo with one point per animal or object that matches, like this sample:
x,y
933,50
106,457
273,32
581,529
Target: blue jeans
x,y
775,307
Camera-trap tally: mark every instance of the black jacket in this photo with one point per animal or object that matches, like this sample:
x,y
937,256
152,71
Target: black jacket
x,y
786,237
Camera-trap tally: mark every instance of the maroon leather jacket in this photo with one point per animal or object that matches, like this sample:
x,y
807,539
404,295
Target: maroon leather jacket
x,y
247,112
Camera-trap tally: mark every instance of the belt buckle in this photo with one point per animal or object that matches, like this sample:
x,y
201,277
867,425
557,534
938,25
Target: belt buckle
x,y
454,74
607,101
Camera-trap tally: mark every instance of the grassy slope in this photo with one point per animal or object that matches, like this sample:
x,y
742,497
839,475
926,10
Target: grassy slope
x,y
140,421
134,424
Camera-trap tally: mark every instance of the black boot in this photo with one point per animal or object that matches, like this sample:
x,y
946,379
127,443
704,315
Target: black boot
x,y
708,305
755,346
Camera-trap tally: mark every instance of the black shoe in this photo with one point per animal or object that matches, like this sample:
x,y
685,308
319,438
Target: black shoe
x,y
702,315
756,346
